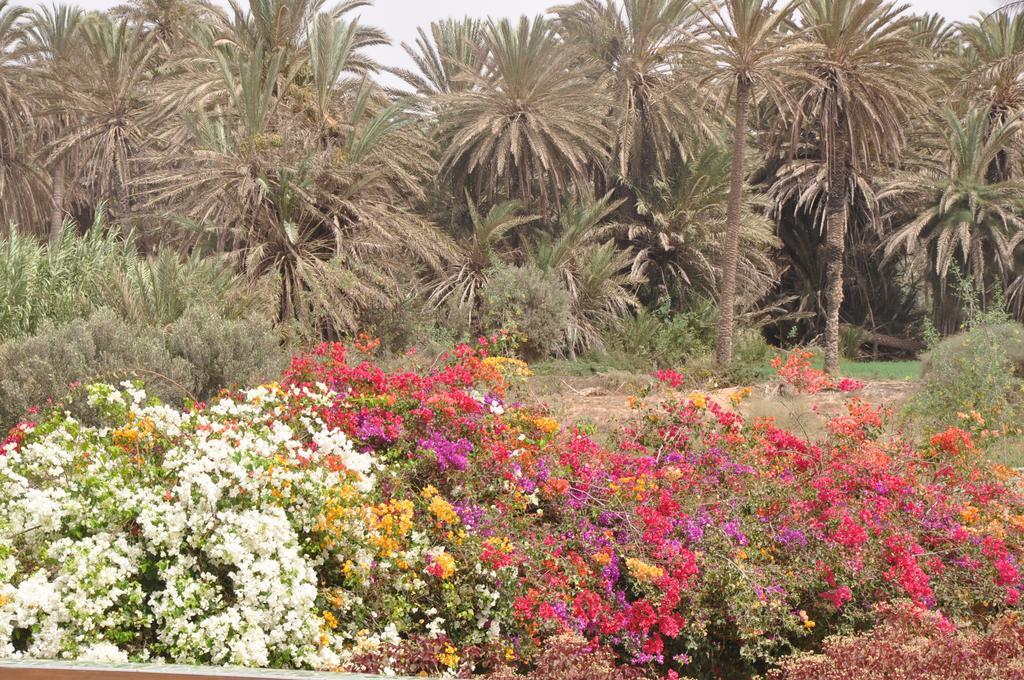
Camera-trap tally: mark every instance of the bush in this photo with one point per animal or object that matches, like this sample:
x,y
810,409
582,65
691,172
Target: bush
x,y
224,353
192,358
913,643
428,523
976,371
102,268
529,302
664,341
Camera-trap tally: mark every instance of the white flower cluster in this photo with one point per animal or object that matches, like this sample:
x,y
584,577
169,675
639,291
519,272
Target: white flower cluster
x,y
188,525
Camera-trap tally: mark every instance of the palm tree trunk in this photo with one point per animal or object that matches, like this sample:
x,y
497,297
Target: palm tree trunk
x,y
57,198
731,250
836,215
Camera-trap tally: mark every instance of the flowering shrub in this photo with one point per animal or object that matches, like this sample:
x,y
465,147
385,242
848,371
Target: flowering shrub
x,y
358,519
797,372
710,546
914,643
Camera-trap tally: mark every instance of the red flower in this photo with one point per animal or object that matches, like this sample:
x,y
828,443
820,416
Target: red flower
x,y
654,645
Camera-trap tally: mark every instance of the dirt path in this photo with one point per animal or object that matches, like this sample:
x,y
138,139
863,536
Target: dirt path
x,y
603,400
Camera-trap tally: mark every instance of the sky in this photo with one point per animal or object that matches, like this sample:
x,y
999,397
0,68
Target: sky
x,y
401,18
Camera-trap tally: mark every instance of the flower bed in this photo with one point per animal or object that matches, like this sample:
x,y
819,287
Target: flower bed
x,y
357,519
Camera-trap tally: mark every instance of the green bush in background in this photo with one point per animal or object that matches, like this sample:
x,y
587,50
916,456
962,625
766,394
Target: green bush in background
x,y
527,301
979,370
103,268
192,358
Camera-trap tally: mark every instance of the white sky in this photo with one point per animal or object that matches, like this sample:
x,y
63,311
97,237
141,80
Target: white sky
x,y
400,18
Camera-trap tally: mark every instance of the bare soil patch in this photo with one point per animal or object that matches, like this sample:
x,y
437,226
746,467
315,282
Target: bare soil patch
x,y
604,400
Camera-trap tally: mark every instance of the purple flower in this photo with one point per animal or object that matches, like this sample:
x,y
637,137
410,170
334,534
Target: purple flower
x,y
733,531
453,454
787,537
470,515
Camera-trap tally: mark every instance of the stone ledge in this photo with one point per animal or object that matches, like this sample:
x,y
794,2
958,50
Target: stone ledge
x,y
60,670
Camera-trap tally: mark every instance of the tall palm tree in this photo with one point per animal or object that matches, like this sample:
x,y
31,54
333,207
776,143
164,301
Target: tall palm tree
x,y
113,114
23,182
659,111
961,219
52,37
532,124
752,53
867,87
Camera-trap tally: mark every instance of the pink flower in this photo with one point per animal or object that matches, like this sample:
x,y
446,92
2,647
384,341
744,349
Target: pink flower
x,y
838,596
849,385
669,377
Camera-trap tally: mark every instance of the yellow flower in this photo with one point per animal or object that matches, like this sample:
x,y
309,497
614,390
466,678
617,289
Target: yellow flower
x,y
329,619
449,657
546,425
444,564
642,571
443,511
736,397
510,654
390,522
698,400
508,367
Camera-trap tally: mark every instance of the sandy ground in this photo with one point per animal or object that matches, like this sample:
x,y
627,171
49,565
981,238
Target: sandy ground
x,y
603,400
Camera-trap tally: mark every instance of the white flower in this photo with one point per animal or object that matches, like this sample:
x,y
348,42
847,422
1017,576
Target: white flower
x,y
103,652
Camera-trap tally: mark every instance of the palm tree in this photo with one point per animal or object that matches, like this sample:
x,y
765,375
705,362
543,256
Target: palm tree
x,y
532,123
169,20
867,87
961,219
475,253
660,113
52,37
751,53
448,59
596,275
990,68
23,183
298,172
113,116
337,61
677,244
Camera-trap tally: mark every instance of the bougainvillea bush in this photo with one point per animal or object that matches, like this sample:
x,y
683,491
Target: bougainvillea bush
x,y
353,518
911,642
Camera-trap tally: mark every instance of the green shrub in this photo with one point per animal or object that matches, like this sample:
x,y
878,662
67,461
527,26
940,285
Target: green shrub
x,y
665,340
977,370
192,358
39,283
222,352
103,269
529,302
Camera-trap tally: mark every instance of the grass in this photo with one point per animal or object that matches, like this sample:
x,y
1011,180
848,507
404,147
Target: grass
x,y
1008,451
880,370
